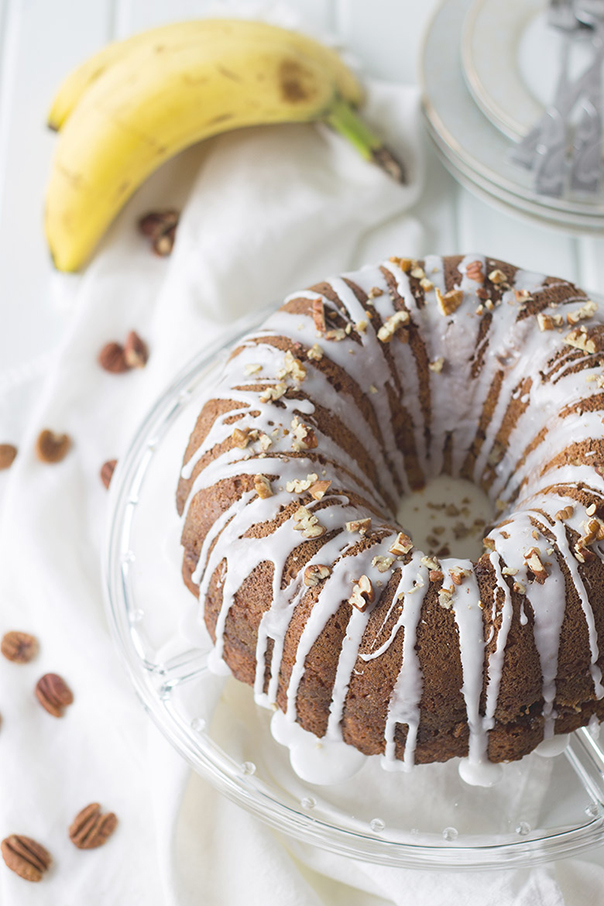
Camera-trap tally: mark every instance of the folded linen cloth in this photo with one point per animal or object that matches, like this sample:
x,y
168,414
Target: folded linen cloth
x,y
264,211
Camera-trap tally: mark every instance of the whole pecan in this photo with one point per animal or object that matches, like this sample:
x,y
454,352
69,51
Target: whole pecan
x,y
54,694
90,828
7,455
136,353
112,358
107,470
51,447
20,647
25,857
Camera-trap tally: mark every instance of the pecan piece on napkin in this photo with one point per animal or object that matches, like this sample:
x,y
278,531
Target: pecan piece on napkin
x,y
51,447
160,227
25,857
107,470
90,828
20,647
54,694
111,358
7,455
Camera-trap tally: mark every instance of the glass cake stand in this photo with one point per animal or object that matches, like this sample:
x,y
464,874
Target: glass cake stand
x,y
542,809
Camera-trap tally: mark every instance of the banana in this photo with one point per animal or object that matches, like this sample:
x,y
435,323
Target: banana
x,y
168,38
136,105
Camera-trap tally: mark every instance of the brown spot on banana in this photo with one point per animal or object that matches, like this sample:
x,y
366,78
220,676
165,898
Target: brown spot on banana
x,y
296,82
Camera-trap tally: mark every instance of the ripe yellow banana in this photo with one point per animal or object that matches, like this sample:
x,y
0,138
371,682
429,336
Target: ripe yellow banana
x,y
140,102
201,32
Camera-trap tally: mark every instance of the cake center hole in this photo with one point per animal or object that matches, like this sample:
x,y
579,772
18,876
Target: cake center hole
x,y
447,518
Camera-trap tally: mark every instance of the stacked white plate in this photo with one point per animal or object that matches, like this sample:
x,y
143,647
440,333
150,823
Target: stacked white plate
x,y
488,70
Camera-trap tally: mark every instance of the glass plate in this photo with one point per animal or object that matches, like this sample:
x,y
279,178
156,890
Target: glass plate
x,y
471,145
542,809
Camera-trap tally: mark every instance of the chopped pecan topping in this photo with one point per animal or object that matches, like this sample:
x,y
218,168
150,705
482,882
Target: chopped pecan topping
x,y
299,485
307,523
303,436
429,562
361,526
458,574
336,334
315,573
241,437
252,369
315,353
405,264
418,272
579,339
382,563
426,284
436,575
581,314
374,292
474,271
318,316
549,322
90,828
292,366
532,559
391,325
445,597
318,489
273,392
437,365
362,594
401,545
519,587
449,302
497,276
263,486
509,571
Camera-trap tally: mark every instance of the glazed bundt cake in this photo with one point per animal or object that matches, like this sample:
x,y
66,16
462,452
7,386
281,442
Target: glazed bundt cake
x,y
352,395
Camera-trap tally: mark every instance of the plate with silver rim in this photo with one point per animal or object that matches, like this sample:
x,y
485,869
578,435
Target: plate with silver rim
x,y
471,146
542,808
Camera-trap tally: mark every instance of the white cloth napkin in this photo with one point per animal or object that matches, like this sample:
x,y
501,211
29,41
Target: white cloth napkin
x,y
266,211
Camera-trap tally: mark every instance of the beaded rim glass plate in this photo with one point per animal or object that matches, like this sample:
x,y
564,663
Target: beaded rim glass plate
x,y
543,809
471,145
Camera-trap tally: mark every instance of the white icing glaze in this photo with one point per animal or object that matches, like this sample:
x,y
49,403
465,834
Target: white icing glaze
x,y
497,399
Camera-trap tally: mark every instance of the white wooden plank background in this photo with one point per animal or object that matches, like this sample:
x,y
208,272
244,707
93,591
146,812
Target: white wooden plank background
x,y
40,40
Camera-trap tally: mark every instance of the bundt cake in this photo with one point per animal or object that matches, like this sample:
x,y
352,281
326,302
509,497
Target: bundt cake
x,y
352,395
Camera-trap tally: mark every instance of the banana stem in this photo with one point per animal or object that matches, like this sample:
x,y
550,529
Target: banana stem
x,y
345,120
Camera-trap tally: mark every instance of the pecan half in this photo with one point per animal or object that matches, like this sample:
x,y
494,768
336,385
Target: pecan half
x,y
136,353
112,358
90,829
160,227
7,455
54,694
25,857
51,447
20,647
107,470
